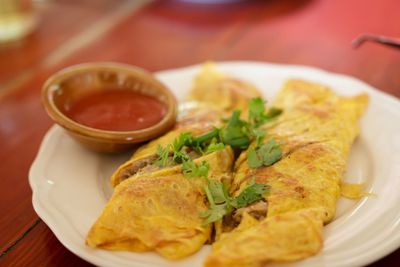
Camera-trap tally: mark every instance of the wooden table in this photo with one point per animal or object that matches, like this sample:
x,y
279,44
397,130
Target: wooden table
x,y
162,35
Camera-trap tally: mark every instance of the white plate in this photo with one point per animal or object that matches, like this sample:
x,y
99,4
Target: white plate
x,y
70,183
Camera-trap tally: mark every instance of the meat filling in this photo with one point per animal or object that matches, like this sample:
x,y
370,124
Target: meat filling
x,y
257,211
146,165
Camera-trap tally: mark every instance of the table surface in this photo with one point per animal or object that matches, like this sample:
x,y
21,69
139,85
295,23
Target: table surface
x,y
158,35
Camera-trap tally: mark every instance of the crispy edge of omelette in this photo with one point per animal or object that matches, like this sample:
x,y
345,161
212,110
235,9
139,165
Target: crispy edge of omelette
x,y
305,155
159,213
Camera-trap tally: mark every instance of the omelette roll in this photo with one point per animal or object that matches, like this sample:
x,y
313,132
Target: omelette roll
x,y
315,133
286,237
159,213
194,118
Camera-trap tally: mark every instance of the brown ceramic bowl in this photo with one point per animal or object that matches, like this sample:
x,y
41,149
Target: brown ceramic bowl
x,y
74,82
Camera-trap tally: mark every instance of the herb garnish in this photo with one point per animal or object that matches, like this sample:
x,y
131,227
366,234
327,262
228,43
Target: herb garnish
x,y
264,155
237,133
203,144
222,204
252,193
163,156
191,169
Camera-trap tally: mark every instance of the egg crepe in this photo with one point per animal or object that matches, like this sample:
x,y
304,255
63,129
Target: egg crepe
x,y
159,212
315,132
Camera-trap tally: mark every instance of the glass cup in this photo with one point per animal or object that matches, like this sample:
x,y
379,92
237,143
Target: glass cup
x,y
17,19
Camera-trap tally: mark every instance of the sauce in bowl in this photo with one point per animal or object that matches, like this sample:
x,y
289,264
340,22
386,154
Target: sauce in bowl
x,y
116,110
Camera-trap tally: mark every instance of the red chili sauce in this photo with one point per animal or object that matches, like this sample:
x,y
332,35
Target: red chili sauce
x,y
117,110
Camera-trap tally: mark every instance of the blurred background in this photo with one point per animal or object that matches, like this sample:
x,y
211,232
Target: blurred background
x,y
171,33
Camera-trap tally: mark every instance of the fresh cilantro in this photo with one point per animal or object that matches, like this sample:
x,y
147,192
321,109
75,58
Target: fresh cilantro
x,y
219,192
163,156
236,132
257,114
222,204
180,141
191,169
252,193
180,157
258,135
214,146
239,134
218,197
265,155
206,137
214,213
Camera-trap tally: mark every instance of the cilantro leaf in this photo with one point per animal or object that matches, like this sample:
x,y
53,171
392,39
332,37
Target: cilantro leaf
x,y
180,157
214,146
218,197
214,213
180,141
253,158
266,154
219,192
259,136
191,169
163,156
222,204
236,132
257,114
270,152
207,136
252,193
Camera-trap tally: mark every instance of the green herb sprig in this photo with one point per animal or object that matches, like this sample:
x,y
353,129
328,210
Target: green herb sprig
x,y
221,203
237,133
264,155
191,169
203,144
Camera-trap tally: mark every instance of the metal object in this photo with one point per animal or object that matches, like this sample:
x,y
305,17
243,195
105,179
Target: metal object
x,y
393,42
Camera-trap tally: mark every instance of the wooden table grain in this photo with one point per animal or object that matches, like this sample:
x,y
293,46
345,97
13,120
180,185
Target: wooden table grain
x,y
159,35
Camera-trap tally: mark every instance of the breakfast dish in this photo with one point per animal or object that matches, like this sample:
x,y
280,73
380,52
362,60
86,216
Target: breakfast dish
x,y
175,197
315,131
155,207
62,167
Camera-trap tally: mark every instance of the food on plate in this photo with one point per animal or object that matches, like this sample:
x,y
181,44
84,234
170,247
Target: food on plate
x,y
201,113
185,189
159,212
315,133
154,207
